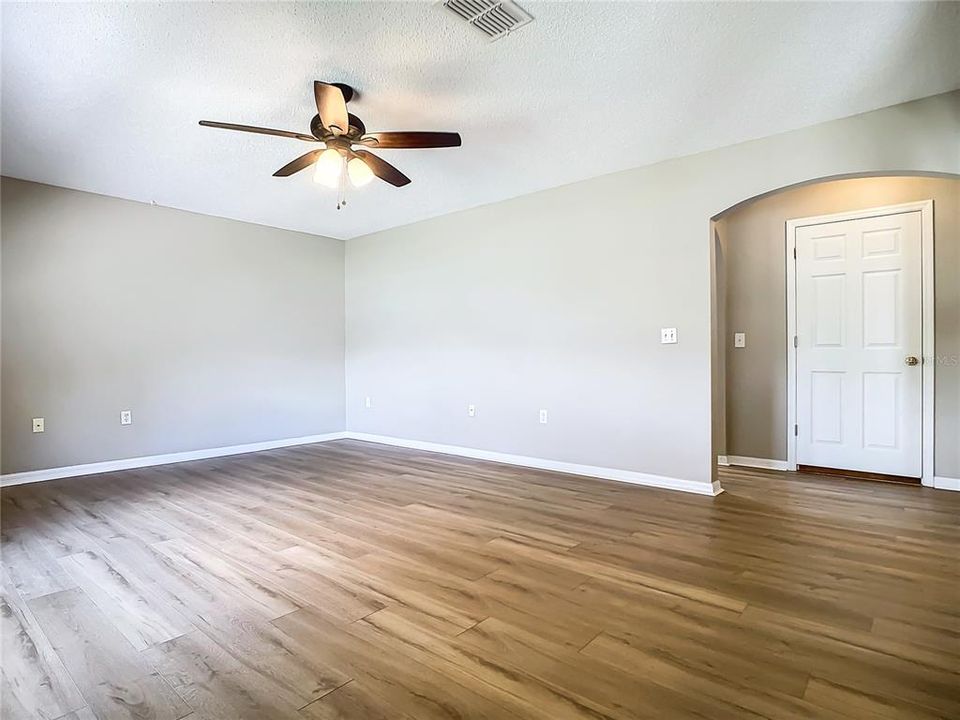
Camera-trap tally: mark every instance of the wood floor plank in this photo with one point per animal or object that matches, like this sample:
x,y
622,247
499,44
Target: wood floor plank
x,y
32,569
383,589
306,585
352,701
12,703
563,667
85,713
353,580
677,674
481,602
34,678
232,620
857,704
497,677
216,684
249,584
114,680
142,617
873,668
410,681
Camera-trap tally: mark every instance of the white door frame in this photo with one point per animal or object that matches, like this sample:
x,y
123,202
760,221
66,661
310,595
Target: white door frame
x,y
925,208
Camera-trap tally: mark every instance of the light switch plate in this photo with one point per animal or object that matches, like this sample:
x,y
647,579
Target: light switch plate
x,y
668,336
472,410
739,339
38,425
543,417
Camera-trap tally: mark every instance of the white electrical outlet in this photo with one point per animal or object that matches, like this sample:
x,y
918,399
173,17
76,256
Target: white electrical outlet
x,y
668,336
739,339
472,410
126,417
366,402
38,425
543,417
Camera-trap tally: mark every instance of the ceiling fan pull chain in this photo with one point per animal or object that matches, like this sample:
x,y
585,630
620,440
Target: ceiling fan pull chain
x,y
342,187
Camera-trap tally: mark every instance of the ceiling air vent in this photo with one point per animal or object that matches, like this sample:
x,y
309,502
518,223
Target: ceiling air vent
x,y
493,19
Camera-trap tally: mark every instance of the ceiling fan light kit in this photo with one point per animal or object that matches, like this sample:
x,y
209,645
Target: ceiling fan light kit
x,y
344,138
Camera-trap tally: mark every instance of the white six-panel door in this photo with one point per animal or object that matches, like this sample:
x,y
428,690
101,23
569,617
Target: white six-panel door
x,y
859,327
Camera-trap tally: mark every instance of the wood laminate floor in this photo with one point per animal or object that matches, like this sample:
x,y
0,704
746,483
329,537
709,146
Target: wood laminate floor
x,y
350,580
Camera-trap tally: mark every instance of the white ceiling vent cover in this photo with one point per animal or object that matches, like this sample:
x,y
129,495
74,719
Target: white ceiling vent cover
x,y
493,19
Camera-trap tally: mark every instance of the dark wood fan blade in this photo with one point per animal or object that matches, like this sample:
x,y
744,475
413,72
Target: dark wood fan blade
x,y
390,140
260,130
299,164
382,169
331,107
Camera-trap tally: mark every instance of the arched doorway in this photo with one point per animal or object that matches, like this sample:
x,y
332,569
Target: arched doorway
x,y
751,378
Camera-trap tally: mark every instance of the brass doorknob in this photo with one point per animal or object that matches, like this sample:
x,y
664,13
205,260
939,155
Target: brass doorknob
x,y
912,360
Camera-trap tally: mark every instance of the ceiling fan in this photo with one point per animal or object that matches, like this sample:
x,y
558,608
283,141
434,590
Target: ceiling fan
x,y
345,139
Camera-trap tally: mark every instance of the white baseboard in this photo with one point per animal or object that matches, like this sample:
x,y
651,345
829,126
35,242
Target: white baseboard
x,y
939,483
167,459
946,483
628,476
752,462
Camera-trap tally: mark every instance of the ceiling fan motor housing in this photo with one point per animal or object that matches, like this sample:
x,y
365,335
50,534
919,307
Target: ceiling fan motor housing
x,y
357,128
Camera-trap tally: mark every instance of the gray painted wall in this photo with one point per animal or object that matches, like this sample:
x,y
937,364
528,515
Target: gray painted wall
x,y
213,332
756,390
554,300
217,333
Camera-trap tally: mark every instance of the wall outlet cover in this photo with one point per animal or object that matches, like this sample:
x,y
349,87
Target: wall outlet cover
x,y
668,336
126,417
38,425
740,339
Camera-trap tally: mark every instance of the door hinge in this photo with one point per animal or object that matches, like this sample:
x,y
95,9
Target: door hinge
x,y
796,430
795,342
794,252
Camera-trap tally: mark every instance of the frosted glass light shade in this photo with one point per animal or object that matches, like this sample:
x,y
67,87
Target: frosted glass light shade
x,y
328,167
360,173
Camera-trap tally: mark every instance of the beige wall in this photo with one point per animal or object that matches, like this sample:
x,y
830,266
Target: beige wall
x,y
213,332
555,300
756,392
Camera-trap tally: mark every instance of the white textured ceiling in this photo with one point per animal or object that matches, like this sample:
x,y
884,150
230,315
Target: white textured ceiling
x,y
105,97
